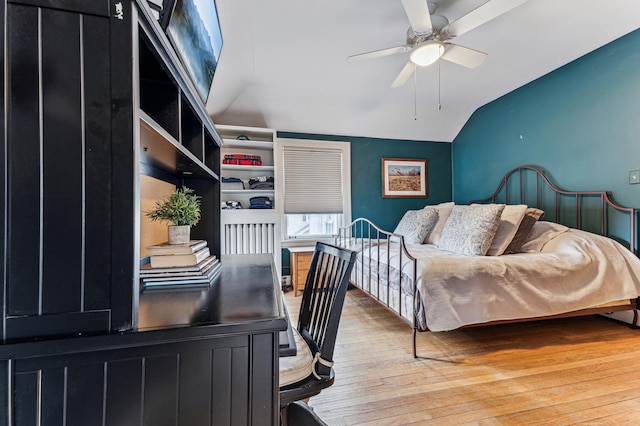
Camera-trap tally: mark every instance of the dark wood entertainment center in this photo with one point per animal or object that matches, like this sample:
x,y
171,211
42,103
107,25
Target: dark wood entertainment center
x,y
95,97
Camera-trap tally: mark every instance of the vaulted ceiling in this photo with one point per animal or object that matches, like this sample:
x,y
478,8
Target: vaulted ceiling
x,y
283,63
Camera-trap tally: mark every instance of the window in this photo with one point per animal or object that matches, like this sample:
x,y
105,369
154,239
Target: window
x,y
307,225
316,186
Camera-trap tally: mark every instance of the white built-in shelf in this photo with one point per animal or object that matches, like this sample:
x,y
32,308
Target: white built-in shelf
x,y
231,133
239,167
261,142
250,144
248,216
245,214
248,191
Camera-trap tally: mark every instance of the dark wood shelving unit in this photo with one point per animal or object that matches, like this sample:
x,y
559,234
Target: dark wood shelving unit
x,y
174,135
178,142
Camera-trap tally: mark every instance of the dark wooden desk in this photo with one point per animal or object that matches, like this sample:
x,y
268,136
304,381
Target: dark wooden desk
x,y
250,301
246,292
198,357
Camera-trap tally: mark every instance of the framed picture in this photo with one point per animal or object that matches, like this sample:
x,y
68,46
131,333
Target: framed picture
x,y
404,178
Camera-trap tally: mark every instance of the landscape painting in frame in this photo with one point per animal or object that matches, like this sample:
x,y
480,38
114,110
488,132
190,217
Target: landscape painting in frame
x,y
194,30
404,178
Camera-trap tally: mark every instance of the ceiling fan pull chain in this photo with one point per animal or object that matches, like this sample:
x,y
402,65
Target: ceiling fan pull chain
x,y
415,91
439,104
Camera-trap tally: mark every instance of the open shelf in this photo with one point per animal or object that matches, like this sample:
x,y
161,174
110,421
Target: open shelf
x,y
255,134
251,144
161,150
237,167
249,191
247,215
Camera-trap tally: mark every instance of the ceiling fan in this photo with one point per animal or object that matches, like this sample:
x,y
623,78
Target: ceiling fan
x,y
428,37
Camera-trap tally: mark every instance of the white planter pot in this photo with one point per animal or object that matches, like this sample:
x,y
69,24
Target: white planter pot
x,y
179,234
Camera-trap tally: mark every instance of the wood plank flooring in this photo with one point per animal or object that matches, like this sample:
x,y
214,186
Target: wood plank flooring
x,y
555,372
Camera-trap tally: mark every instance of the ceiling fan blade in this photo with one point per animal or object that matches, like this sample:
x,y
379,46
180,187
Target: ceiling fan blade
x,y
404,75
379,53
485,13
418,14
463,56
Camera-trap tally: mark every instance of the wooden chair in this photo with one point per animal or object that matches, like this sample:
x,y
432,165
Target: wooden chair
x,y
311,369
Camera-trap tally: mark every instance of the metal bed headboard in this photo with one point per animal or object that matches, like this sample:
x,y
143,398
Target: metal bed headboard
x,y
593,211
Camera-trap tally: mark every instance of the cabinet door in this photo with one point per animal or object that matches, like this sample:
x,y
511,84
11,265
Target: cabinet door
x,y
68,163
209,381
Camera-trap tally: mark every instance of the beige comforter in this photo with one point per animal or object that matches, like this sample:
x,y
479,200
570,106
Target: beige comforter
x,y
575,270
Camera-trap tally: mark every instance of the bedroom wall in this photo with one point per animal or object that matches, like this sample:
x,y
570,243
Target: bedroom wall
x,y
581,123
366,179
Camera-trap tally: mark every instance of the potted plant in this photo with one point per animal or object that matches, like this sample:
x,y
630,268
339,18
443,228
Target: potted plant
x,y
182,210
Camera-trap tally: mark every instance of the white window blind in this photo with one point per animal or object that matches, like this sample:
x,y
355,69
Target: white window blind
x,y
312,181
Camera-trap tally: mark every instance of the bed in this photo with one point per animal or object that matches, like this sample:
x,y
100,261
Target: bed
x,y
529,251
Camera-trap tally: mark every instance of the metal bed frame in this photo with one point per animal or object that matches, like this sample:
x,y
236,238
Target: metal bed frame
x,y
593,211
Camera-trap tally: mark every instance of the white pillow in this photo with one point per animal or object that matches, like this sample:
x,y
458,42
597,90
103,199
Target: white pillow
x,y
443,210
469,230
541,233
509,222
416,224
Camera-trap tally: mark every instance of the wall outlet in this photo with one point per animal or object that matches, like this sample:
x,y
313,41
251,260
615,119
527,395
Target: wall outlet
x,y
634,177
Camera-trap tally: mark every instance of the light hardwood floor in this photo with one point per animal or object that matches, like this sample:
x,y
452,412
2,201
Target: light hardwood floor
x,y
555,372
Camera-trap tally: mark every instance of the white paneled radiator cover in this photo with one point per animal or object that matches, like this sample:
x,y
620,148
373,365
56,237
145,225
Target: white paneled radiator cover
x,y
242,238
245,233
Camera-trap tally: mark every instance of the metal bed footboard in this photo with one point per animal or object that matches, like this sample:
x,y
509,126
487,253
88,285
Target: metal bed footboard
x,y
364,237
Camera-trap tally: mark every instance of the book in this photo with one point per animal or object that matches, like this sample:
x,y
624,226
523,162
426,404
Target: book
x,y
195,278
208,272
176,284
205,279
146,270
166,248
171,260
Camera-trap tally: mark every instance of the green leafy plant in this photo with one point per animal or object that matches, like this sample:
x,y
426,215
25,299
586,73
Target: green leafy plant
x,y
181,207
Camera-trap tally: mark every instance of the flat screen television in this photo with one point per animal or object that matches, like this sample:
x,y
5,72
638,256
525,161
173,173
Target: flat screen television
x,y
193,28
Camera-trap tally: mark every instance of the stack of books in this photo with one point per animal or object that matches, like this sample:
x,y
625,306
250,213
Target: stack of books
x,y
179,265
242,159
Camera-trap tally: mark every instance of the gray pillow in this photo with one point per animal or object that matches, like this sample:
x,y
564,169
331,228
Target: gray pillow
x,y
530,218
469,230
416,224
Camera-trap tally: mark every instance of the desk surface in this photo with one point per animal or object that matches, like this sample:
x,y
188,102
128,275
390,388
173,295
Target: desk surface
x,y
245,298
246,291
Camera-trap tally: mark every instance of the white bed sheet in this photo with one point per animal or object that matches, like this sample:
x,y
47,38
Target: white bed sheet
x,y
575,270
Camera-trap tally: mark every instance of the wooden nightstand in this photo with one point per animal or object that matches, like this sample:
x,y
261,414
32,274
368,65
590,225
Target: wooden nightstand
x,y
300,260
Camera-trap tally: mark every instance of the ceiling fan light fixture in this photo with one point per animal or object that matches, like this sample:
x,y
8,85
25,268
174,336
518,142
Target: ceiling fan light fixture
x,y
427,54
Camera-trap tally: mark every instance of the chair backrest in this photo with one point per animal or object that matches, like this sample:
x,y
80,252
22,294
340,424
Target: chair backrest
x,y
323,298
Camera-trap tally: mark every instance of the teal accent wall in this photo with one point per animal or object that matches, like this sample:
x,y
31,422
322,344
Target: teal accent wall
x,y
580,123
366,179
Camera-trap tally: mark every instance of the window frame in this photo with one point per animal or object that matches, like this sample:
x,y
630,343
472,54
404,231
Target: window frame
x,y
315,144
